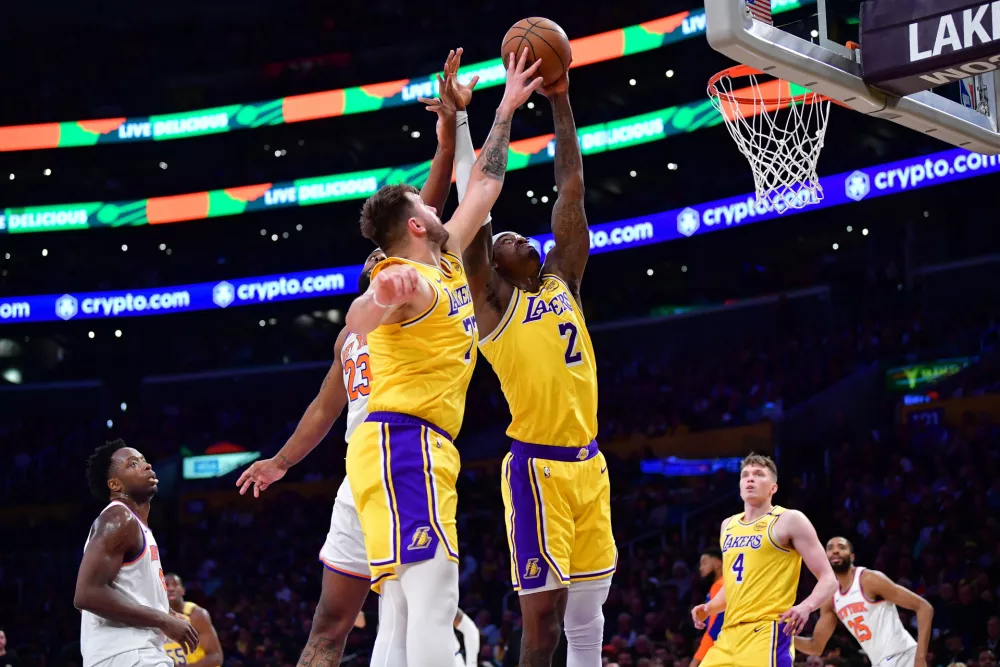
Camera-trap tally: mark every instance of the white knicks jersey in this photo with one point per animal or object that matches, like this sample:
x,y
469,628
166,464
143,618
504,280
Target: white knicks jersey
x,y
875,625
141,581
357,382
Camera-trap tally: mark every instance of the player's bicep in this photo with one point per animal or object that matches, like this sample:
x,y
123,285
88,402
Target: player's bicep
x,y
112,542
801,536
207,637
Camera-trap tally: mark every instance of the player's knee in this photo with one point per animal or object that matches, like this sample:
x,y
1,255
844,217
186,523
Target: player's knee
x,y
542,614
584,628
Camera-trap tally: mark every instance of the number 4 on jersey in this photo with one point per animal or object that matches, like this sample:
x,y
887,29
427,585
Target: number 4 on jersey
x,y
738,568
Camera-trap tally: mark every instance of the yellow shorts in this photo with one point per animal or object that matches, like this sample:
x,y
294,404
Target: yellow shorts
x,y
402,472
761,644
557,505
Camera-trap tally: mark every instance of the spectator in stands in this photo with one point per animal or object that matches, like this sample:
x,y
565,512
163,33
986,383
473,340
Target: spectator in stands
x,y
8,658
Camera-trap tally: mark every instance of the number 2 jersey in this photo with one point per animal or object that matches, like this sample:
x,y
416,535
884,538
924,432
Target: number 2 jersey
x,y
875,625
542,353
760,576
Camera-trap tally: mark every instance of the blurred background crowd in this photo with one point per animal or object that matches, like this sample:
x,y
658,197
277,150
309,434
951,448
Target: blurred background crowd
x,y
856,344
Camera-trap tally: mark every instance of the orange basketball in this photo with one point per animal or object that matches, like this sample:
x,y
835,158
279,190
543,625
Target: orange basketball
x,y
545,40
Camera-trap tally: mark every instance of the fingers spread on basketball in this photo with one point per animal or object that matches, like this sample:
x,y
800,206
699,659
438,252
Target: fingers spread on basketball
x,y
547,42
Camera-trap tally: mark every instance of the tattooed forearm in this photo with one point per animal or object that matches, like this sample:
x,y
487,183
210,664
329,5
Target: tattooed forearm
x,y
493,158
569,161
320,652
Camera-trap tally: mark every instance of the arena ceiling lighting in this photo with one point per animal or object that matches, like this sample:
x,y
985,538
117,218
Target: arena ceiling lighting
x,y
330,103
845,188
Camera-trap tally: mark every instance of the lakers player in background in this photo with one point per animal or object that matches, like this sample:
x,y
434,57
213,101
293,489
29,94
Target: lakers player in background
x,y
418,317
763,548
865,602
556,492
209,651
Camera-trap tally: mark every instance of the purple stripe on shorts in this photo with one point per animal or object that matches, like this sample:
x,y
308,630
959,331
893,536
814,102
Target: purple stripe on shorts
x,y
418,539
434,500
553,452
783,648
531,566
398,418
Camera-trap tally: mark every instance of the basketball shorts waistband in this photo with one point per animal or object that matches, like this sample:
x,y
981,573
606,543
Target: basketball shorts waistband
x,y
405,420
554,452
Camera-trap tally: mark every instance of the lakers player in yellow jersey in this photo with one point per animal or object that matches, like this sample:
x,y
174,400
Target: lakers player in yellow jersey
x,y
763,549
418,316
209,651
555,484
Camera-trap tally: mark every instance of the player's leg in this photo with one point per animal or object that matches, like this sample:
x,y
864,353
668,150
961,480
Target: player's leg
x,y
346,582
586,487
539,534
430,586
340,602
390,642
584,622
423,469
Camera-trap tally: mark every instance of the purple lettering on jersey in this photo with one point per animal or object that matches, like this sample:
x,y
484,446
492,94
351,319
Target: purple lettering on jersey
x,y
457,299
537,306
742,542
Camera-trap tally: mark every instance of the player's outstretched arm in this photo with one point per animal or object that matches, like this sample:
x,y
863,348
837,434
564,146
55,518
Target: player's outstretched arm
x,y
116,534
312,428
397,290
568,258
487,176
202,622
825,626
794,529
876,585
438,184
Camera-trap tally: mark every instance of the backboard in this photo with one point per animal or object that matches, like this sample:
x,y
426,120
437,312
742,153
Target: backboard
x,y
813,53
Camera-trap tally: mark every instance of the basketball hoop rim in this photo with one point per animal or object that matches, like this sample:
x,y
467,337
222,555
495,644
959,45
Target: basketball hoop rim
x,y
766,100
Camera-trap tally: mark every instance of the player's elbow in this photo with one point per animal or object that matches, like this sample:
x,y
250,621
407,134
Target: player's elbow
x,y
82,599
572,188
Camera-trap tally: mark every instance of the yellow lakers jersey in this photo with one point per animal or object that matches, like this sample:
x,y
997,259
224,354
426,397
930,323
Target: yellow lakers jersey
x,y
542,353
422,367
176,651
760,577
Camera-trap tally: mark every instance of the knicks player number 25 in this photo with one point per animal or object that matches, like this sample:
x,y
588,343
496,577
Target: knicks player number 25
x,y
861,631
569,331
363,386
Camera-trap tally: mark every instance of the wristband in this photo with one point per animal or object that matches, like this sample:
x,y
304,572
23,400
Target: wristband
x,y
375,299
461,116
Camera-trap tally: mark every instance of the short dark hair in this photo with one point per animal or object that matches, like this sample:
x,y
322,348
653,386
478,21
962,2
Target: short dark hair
x,y
175,576
383,213
850,545
761,460
99,468
712,552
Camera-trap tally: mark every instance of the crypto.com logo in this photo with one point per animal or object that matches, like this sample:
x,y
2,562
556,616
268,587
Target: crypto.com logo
x,y
223,294
67,306
688,221
857,186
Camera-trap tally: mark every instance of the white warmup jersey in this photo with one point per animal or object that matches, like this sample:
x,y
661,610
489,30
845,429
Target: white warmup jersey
x,y
875,625
139,580
344,548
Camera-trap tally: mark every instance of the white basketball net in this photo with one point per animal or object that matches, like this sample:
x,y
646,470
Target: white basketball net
x,y
779,134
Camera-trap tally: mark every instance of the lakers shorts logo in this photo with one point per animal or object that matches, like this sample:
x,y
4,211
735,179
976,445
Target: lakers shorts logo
x,y
531,569
583,454
421,538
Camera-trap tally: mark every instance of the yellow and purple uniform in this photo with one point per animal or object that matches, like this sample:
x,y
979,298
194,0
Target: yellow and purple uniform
x,y
176,651
556,493
401,462
761,578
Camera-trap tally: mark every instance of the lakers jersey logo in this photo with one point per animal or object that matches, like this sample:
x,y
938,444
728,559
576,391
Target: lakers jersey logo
x,y
457,299
582,454
531,569
742,542
537,306
421,538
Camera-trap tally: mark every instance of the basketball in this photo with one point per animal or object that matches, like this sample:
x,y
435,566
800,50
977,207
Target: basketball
x,y
545,40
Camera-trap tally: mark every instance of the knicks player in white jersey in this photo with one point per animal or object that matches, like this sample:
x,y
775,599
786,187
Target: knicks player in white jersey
x,y
120,588
346,576
865,602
